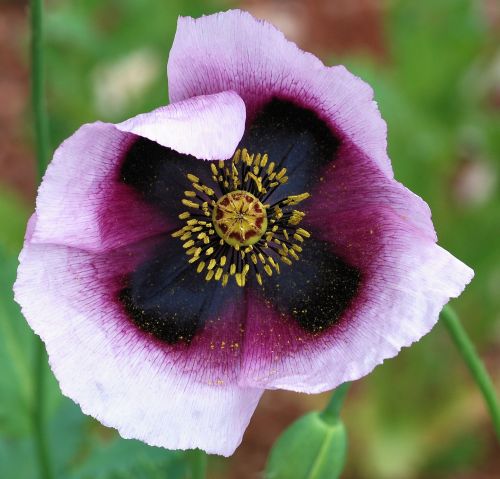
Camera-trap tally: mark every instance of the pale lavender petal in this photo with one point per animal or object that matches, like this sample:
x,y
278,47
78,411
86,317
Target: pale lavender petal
x,y
207,127
122,377
234,51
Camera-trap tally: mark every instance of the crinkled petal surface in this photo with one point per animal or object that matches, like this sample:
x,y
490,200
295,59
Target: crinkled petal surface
x,y
82,188
234,51
207,127
118,374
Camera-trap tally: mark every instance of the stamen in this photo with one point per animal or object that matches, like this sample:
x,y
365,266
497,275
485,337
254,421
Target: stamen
x,y
241,231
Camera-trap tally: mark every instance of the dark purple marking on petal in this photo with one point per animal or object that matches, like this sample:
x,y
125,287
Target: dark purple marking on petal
x,y
294,138
159,174
165,296
316,290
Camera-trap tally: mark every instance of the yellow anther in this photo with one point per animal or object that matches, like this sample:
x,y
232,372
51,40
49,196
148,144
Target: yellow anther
x,y
286,260
190,203
190,194
281,174
209,251
268,270
212,263
240,279
298,237
218,273
192,178
178,233
223,260
296,217
188,244
184,215
232,269
259,278
236,157
210,275
200,267
296,199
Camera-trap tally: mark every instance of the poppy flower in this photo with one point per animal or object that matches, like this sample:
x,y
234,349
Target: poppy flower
x,y
248,236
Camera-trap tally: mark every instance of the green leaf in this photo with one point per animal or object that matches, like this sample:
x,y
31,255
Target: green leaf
x,y
124,458
16,347
16,458
310,448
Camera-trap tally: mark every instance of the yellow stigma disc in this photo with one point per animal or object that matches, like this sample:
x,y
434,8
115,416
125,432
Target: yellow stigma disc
x,y
239,218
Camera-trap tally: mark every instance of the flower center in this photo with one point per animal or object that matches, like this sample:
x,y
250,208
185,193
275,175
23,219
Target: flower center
x,y
239,218
233,228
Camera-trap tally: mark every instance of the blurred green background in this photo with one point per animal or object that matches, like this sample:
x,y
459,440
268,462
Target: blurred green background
x,y
435,69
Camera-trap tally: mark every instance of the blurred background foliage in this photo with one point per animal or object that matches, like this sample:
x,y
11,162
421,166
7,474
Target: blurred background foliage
x,y
435,69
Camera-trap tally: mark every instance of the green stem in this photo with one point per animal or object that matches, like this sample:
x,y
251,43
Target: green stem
x,y
38,87
331,412
474,363
42,149
39,425
198,461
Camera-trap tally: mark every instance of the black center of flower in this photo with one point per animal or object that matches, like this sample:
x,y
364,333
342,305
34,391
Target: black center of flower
x,y
231,229
166,294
